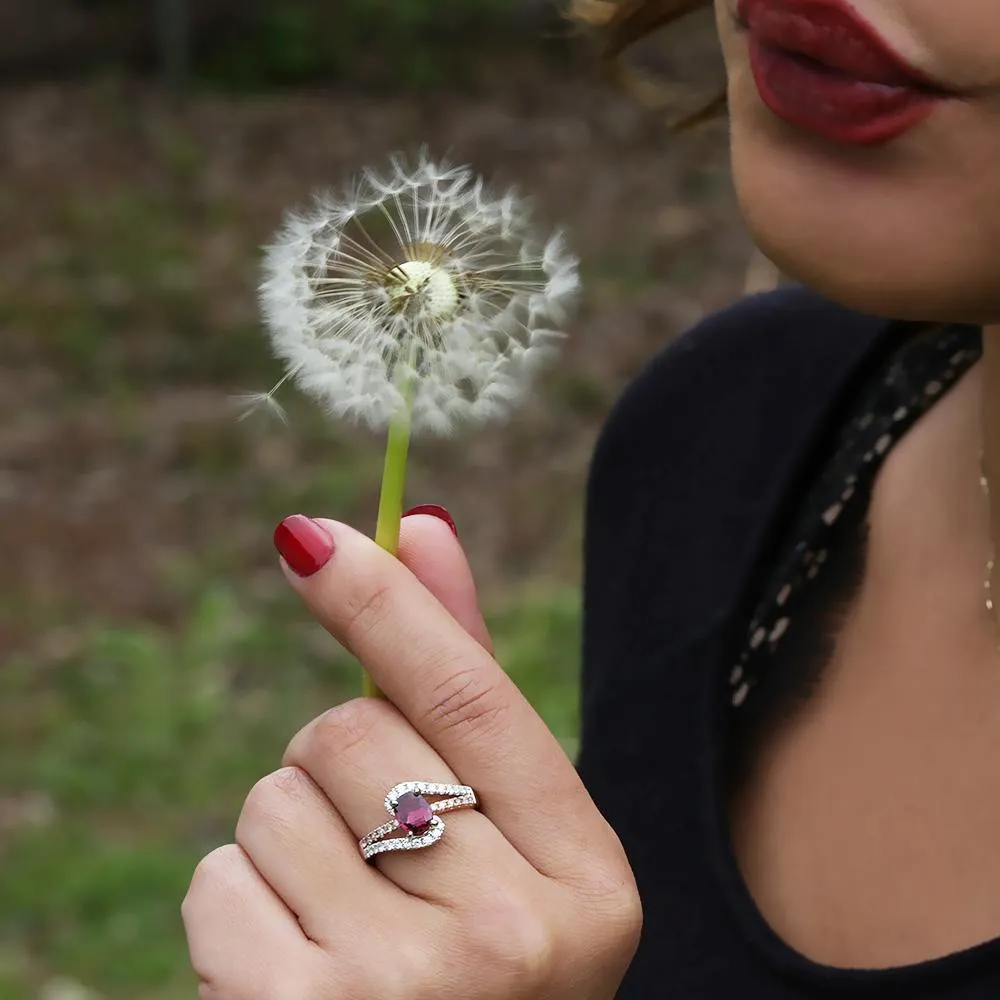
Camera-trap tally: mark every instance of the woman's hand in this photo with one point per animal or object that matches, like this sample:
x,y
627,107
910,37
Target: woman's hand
x,y
529,897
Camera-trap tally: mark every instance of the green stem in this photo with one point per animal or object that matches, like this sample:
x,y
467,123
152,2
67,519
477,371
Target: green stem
x,y
390,503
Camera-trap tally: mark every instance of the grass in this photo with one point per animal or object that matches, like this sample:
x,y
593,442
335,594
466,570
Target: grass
x,y
144,741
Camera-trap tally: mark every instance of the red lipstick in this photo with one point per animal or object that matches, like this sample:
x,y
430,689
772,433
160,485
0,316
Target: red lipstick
x,y
819,66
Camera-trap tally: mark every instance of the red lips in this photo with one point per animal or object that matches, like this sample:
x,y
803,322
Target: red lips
x,y
819,66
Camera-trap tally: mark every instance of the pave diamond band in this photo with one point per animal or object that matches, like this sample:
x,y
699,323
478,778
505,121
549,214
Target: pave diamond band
x,y
415,817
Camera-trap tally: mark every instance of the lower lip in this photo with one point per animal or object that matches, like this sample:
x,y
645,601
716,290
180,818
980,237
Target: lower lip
x,y
835,105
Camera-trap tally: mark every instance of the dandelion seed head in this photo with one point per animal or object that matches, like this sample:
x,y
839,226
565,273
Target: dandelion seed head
x,y
419,283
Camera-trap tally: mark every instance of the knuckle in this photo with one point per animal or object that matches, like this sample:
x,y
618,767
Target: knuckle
x,y
624,920
267,803
341,730
466,701
222,871
220,868
218,911
613,908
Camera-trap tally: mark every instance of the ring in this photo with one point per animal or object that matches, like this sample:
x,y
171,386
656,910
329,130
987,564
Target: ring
x,y
411,812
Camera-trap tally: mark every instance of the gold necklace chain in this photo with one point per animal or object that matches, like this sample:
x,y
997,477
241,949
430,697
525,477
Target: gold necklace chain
x,y
984,482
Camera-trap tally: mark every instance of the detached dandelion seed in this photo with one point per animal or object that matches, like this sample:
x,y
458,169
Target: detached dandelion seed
x,y
417,301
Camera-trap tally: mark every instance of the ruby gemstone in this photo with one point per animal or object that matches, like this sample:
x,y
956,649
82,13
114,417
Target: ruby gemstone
x,y
413,812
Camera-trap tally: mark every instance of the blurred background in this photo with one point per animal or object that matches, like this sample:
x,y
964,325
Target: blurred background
x,y
153,664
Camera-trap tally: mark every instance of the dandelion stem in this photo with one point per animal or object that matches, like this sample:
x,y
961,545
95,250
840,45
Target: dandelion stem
x,y
390,507
390,503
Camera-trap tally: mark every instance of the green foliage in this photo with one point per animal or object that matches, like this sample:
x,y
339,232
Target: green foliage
x,y
537,637
409,42
101,909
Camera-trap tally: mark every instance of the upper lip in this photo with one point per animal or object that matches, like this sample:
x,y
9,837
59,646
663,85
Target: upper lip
x,y
829,32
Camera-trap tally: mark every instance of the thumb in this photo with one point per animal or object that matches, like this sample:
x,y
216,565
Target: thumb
x,y
429,548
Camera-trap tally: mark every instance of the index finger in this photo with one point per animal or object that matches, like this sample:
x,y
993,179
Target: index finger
x,y
457,697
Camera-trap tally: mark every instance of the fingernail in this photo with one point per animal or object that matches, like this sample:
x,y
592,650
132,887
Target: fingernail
x,y
435,510
303,544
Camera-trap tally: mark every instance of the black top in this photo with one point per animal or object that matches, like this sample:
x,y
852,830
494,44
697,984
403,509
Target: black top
x,y
726,511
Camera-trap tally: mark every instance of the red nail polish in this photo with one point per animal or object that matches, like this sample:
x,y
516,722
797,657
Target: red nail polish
x,y
303,544
435,510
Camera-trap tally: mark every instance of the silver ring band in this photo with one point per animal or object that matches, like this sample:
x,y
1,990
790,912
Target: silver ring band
x,y
417,818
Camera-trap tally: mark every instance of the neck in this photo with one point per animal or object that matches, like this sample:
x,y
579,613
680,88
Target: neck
x,y
927,517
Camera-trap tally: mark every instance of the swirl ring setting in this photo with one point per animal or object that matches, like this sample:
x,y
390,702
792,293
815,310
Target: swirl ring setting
x,y
417,819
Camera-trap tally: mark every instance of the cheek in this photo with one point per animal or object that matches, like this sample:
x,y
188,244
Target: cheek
x,y
910,230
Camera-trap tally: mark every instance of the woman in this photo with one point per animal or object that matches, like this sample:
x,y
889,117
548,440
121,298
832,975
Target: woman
x,y
792,679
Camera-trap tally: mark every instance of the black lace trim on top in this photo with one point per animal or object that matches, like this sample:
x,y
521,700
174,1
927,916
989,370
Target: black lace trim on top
x,y
823,556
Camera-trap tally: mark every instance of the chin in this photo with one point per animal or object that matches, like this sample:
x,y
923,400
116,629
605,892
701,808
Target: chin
x,y
877,285
891,233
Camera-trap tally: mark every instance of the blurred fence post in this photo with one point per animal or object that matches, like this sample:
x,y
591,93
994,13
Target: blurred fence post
x,y
173,41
